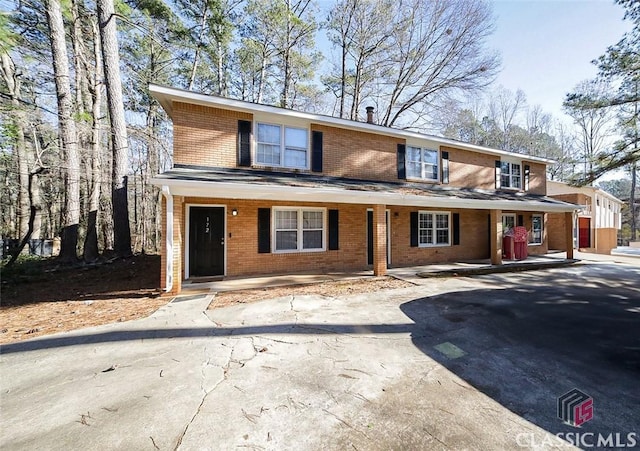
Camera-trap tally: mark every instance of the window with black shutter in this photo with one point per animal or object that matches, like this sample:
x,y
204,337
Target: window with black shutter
x,y
264,230
244,143
414,228
316,151
334,241
402,162
445,167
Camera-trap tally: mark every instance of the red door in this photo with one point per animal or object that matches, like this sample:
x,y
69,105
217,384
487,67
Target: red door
x,y
584,232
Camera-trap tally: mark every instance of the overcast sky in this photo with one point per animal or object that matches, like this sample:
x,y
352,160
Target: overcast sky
x,y
547,46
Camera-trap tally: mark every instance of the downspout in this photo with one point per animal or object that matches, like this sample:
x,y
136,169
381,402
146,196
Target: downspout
x,y
169,239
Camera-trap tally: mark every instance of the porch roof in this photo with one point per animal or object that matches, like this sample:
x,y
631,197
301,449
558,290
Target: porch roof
x,y
195,181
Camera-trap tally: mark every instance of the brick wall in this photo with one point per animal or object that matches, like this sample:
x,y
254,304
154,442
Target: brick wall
x,y
242,242
360,155
471,169
606,240
243,258
556,232
205,136
537,178
474,239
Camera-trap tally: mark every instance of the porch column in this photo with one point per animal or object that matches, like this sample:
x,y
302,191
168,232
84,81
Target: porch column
x,y
379,240
164,280
178,243
496,237
568,233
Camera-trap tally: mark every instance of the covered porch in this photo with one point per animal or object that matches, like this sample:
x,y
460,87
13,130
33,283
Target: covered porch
x,y
365,226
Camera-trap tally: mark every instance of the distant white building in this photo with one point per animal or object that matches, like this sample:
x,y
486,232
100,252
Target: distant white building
x,y
595,226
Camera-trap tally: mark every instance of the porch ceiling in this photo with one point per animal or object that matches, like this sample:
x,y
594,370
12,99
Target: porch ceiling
x,y
263,185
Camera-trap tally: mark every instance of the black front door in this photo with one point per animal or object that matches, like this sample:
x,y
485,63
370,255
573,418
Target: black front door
x,y
206,241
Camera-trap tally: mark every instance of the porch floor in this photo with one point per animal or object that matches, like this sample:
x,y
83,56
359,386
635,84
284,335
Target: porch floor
x,y
415,274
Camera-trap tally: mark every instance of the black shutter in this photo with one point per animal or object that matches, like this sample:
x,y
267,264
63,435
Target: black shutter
x,y
414,229
445,167
498,171
316,151
527,171
520,220
264,230
402,163
244,143
334,242
456,228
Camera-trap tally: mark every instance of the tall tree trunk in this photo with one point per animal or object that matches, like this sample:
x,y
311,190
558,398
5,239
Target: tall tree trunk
x,y
32,217
91,252
111,62
632,201
196,56
150,191
222,83
263,74
12,80
343,77
67,126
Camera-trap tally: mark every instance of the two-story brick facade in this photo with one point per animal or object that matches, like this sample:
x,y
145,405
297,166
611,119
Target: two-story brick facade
x,y
257,190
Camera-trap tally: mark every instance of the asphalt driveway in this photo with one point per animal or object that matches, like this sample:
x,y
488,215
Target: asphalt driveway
x,y
451,364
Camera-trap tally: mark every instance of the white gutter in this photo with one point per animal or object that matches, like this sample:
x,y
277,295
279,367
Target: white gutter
x,y
252,191
166,95
169,239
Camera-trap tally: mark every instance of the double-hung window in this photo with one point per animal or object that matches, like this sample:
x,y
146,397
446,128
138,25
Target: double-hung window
x,y
536,229
434,228
422,163
510,175
282,146
299,229
508,222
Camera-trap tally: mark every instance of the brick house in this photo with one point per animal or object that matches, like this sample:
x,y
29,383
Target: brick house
x,y
259,190
595,226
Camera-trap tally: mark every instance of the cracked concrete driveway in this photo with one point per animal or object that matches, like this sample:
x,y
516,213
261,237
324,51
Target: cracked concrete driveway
x,y
450,364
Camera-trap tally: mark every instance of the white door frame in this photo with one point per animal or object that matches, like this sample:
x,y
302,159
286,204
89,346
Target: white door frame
x,y
188,232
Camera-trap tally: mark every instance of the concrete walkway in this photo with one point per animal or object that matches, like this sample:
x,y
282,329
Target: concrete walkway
x,y
411,273
385,370
304,372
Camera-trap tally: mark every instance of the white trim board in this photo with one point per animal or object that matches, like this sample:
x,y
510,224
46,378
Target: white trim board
x,y
187,219
252,191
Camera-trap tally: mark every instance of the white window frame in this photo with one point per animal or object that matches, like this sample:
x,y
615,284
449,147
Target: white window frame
x,y
511,175
283,146
422,163
508,215
435,229
541,216
300,230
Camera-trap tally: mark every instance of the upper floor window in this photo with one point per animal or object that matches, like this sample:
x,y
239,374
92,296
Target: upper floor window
x,y
422,163
433,228
282,146
510,175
